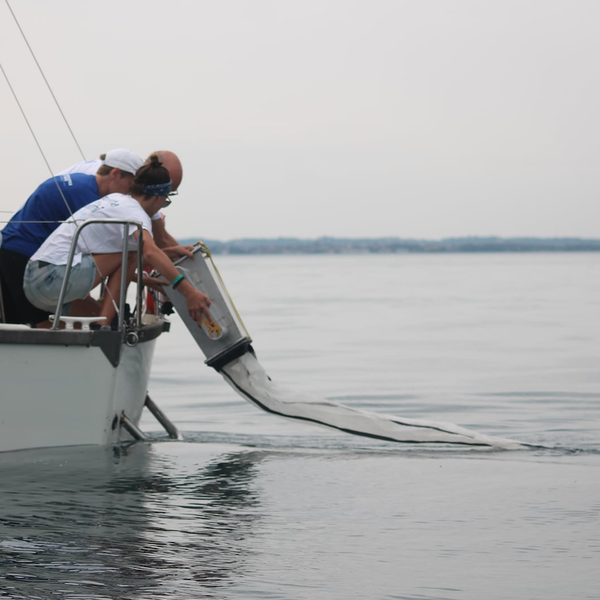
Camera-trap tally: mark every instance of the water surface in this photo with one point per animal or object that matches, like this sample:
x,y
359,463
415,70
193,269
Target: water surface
x,y
251,506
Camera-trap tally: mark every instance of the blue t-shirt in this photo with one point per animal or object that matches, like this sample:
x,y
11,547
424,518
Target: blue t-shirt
x,y
45,208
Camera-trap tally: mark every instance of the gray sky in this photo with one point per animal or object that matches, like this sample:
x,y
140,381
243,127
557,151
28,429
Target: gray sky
x,y
347,118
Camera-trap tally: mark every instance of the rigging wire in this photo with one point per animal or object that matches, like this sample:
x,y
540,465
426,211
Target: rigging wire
x,y
35,137
27,120
34,222
45,80
25,116
29,126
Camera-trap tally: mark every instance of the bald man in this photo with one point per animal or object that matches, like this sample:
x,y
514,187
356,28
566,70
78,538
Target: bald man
x,y
164,240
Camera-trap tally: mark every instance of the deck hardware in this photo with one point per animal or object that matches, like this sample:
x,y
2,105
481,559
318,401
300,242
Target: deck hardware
x,y
131,428
163,419
132,339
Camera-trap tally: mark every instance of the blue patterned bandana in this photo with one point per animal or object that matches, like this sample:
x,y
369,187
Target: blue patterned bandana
x,y
158,189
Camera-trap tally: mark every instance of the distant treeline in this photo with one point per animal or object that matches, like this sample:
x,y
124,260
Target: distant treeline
x,y
328,245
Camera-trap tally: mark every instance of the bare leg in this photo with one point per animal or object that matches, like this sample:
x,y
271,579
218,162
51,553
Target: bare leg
x,y
113,287
85,308
79,308
107,265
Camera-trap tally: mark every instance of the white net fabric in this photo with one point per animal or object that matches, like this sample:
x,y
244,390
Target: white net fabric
x,y
249,379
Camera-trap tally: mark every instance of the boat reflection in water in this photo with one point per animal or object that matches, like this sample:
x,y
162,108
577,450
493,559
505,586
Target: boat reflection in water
x,y
138,521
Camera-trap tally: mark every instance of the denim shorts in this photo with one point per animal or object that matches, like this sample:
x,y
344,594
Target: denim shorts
x,y
42,284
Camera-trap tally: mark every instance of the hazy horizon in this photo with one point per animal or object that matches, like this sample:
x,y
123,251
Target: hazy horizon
x,y
460,237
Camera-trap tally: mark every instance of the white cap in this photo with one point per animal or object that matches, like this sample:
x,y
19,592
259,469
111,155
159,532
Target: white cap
x,y
123,159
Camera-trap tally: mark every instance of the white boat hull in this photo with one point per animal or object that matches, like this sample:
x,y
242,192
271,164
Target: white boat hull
x,y
56,394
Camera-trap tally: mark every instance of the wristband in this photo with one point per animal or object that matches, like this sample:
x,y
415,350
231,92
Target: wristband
x,y
177,281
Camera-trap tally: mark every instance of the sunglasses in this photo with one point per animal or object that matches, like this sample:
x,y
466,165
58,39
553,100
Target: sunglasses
x,y
168,199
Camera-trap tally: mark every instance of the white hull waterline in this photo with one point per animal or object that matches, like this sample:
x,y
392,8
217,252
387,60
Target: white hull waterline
x,y
63,388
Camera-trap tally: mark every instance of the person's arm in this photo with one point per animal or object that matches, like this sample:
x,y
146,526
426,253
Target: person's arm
x,y
197,302
167,243
175,252
162,237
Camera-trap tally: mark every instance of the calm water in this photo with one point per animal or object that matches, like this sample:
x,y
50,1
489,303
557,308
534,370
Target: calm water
x,y
252,506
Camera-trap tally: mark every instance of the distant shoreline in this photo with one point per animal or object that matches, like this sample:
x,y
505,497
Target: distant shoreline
x,y
329,245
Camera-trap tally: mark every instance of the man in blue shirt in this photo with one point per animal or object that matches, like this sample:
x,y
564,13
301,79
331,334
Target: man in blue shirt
x,y
53,201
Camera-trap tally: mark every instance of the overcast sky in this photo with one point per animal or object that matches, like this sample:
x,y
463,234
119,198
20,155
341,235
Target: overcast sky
x,y
304,118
